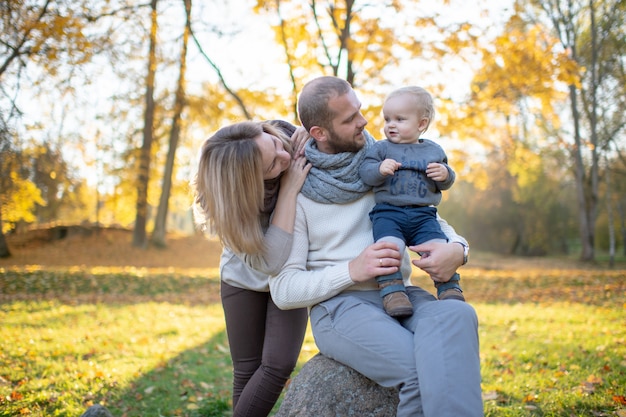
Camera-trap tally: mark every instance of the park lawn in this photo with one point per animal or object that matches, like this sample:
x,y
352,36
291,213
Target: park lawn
x,y
151,342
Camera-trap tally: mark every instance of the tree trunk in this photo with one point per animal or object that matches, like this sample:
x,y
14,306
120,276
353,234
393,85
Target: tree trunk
x,y
585,229
622,222
609,212
139,234
4,247
563,20
160,223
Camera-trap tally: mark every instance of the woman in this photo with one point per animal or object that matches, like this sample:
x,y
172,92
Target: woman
x,y
248,178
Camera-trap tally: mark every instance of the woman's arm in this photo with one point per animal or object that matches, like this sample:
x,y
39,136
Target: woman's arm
x,y
290,185
278,238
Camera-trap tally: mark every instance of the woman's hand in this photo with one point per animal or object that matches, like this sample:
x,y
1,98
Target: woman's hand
x,y
293,178
298,140
290,184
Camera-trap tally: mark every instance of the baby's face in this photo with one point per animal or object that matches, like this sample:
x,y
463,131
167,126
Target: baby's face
x,y
402,119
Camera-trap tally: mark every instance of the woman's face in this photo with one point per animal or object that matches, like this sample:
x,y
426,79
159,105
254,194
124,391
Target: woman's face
x,y
275,158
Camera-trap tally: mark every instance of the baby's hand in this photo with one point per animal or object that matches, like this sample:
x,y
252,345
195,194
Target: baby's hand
x,y
388,167
437,172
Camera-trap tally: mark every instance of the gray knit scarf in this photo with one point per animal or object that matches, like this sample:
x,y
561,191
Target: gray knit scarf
x,y
334,178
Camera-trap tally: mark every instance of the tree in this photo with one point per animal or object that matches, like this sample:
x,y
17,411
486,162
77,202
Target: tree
x,y
46,49
158,235
343,38
139,233
239,101
512,116
43,32
48,34
18,195
5,185
51,175
349,39
591,33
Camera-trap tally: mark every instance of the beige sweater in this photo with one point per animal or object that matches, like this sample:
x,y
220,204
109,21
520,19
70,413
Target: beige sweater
x,y
251,272
326,238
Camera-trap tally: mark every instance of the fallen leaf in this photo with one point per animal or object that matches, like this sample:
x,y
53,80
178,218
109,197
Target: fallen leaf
x,y
491,395
222,348
588,387
594,379
188,383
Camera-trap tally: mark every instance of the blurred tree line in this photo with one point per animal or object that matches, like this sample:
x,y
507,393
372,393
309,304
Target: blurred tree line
x,y
104,104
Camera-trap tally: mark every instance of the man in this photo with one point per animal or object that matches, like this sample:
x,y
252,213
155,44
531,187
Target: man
x,y
432,356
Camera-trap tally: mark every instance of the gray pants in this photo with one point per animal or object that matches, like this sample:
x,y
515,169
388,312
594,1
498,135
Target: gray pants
x,y
437,346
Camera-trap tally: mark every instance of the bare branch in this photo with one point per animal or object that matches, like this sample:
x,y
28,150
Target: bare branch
x,y
221,77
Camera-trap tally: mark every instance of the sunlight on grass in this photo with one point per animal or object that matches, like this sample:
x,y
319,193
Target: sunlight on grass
x,y
153,343
68,356
559,359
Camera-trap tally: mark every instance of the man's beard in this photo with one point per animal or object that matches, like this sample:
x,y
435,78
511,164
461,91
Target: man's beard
x,y
339,145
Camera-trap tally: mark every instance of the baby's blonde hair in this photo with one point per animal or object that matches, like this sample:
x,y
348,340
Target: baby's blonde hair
x,y
423,99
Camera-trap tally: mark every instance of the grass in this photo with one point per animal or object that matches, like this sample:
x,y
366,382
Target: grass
x,y
152,342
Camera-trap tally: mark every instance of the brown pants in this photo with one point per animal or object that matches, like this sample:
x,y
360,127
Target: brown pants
x,y
264,345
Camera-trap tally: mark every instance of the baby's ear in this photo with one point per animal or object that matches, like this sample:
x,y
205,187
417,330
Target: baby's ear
x,y
424,123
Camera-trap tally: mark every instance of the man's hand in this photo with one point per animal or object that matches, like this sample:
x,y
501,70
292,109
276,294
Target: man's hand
x,y
438,259
437,172
380,258
388,167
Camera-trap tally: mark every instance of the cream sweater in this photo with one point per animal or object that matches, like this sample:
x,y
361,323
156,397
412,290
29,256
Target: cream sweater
x,y
326,238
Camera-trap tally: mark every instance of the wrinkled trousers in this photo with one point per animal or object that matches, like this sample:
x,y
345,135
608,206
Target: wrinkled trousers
x,y
264,346
432,357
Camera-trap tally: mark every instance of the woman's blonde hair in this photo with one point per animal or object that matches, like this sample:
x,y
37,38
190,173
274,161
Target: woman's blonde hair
x,y
229,190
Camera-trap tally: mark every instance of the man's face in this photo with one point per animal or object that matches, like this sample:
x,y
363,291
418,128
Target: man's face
x,y
346,131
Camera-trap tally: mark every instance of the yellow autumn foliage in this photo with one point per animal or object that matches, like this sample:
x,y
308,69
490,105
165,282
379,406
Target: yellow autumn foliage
x,y
18,205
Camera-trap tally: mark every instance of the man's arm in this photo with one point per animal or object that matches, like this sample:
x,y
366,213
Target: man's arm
x,y
295,286
449,231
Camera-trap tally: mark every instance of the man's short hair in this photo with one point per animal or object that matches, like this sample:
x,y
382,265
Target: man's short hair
x,y
313,107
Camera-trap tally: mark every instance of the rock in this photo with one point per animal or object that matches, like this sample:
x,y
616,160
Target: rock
x,y
97,411
326,388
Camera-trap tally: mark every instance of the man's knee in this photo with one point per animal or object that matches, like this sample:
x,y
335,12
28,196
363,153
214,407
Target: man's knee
x,y
463,313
